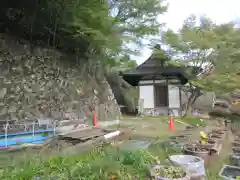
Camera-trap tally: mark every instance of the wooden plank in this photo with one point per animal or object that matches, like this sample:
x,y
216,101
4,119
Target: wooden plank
x,y
84,134
93,135
217,148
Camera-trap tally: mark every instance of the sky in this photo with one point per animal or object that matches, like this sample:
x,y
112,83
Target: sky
x,y
220,11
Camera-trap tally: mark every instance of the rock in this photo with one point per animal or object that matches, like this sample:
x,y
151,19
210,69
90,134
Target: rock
x,y
65,129
70,122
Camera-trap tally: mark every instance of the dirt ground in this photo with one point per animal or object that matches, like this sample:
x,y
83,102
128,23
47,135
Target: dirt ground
x,y
150,127
145,128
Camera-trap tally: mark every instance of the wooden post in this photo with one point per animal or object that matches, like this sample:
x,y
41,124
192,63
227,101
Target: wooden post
x,y
140,107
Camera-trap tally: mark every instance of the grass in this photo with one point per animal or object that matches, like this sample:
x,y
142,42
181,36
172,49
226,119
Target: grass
x,y
194,121
190,121
103,162
99,164
153,127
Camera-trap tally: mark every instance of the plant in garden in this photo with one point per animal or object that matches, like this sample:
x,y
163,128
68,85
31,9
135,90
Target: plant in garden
x,y
100,163
170,172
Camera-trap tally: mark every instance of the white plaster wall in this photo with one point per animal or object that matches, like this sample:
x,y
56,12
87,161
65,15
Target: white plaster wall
x,y
158,81
146,93
174,99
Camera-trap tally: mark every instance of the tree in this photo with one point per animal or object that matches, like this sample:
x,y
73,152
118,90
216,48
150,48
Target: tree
x,y
137,20
88,28
92,35
193,47
225,78
73,25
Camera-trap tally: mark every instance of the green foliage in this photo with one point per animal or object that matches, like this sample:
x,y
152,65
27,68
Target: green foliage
x,y
137,20
225,78
70,25
95,32
171,172
212,47
123,92
194,121
99,163
193,44
193,47
82,26
212,51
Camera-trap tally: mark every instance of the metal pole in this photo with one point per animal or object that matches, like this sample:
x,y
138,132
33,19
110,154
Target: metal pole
x,y
33,128
54,128
6,137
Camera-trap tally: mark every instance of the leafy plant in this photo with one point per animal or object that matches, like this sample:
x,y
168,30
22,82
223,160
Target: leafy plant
x,y
170,172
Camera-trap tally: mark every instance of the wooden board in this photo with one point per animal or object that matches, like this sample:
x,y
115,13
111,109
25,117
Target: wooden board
x,y
84,134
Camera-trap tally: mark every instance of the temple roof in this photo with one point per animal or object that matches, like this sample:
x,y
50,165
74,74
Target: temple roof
x,y
154,68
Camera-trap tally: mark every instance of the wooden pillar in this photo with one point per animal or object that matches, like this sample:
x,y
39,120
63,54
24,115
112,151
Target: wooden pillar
x,y
141,106
180,100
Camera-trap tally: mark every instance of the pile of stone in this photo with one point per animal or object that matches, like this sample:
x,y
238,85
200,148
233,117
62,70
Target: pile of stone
x,y
67,126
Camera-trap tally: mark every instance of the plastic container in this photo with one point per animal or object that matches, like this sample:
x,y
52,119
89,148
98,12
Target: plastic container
x,y
135,144
235,159
204,153
157,177
229,172
209,143
220,137
218,131
236,144
236,150
194,165
174,145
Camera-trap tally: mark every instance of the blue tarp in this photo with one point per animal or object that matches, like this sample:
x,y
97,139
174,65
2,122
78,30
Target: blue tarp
x,y
27,132
15,140
39,137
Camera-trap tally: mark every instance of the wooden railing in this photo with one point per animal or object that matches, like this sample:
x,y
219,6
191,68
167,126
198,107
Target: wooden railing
x,y
108,111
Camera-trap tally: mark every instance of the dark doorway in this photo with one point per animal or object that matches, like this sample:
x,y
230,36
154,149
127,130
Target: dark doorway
x,y
161,95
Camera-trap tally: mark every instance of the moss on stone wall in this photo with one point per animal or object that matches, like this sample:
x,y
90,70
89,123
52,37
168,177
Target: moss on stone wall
x,y
37,82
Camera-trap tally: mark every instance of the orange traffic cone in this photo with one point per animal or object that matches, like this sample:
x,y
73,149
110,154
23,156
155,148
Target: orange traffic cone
x,y
171,125
95,121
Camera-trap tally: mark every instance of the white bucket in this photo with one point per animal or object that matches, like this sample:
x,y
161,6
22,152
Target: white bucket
x,y
194,165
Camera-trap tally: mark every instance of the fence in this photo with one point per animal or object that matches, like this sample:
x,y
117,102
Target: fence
x,y
26,129
107,112
235,127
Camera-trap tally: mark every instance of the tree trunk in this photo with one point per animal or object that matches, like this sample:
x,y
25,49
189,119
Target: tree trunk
x,y
191,100
188,112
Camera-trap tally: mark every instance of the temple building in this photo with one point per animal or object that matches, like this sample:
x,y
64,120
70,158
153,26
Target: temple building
x,y
159,85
